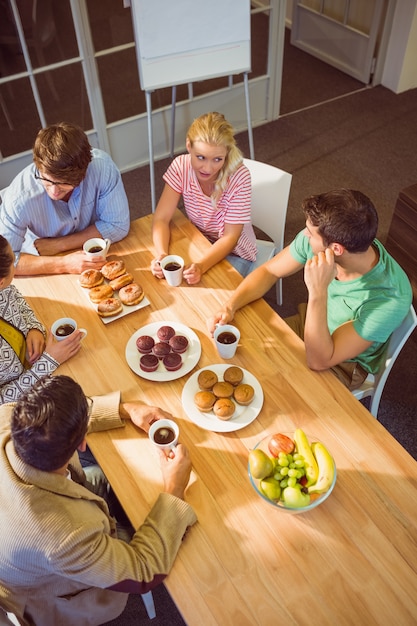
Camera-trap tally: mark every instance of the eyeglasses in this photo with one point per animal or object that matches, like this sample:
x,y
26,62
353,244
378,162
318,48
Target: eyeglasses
x,y
51,183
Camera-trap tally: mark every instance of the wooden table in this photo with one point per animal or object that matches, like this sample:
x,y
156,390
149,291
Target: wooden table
x,y
352,560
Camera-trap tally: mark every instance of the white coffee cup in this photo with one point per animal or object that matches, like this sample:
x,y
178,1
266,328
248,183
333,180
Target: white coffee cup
x,y
96,248
223,337
164,434
172,268
64,327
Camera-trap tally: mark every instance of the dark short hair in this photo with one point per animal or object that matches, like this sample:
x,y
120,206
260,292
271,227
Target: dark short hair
x,y
49,422
343,216
6,257
64,151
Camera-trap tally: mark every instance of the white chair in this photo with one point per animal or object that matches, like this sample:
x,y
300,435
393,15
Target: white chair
x,y
270,193
373,385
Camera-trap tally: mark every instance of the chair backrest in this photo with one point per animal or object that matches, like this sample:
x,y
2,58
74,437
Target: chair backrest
x,y
270,193
396,343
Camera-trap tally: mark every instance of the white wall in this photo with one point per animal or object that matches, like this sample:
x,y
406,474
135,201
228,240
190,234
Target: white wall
x,y
400,68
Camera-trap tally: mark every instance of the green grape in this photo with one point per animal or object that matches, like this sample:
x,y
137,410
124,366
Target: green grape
x,y
277,476
283,462
292,481
291,465
290,458
299,474
298,457
284,471
292,473
299,463
284,483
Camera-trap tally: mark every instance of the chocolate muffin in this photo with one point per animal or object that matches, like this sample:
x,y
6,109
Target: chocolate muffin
x,y
164,333
178,343
144,344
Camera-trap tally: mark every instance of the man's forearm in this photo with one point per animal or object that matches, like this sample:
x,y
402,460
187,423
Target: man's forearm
x,y
318,341
32,265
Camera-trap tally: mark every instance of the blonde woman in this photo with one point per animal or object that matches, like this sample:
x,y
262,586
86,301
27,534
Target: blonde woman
x,y
216,191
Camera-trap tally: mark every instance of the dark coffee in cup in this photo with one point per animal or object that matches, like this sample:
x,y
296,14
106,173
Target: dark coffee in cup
x,y
95,249
64,330
226,338
164,435
172,266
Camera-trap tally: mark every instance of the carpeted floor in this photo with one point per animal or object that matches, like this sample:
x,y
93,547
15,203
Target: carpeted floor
x,y
364,140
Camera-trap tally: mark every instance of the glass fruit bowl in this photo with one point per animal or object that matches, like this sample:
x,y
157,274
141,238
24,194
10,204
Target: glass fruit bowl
x,y
302,496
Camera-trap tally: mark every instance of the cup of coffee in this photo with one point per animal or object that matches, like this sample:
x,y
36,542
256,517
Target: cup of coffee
x,y
226,338
172,267
96,248
64,327
164,434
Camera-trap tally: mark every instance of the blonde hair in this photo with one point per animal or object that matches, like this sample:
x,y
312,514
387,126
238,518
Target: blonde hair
x,y
214,129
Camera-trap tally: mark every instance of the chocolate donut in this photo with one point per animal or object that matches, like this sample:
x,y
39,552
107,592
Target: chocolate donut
x,y
178,343
172,361
144,344
148,362
164,333
161,349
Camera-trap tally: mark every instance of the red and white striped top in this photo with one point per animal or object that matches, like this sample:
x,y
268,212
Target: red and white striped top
x,y
233,206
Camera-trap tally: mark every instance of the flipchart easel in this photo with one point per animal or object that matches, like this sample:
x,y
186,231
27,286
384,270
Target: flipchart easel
x,y
194,40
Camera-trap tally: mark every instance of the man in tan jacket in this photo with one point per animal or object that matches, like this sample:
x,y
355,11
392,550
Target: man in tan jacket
x,y
60,559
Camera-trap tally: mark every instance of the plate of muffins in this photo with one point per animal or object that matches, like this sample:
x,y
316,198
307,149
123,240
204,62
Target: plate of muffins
x,y
222,397
163,351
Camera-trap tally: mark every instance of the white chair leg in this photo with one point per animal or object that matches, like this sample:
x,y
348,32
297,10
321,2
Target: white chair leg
x,y
149,604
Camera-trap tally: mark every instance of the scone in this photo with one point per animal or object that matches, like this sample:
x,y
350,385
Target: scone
x,y
233,375
207,379
224,408
243,394
204,400
223,390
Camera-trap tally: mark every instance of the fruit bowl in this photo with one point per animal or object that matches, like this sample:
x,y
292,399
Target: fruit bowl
x,y
272,494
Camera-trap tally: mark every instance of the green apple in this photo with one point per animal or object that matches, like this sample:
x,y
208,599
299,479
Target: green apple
x,y
270,488
260,465
294,497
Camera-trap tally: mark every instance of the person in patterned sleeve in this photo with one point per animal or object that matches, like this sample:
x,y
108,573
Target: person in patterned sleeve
x,y
25,356
215,187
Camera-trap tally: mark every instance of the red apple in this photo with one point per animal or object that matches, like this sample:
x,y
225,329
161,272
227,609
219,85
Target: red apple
x,y
280,443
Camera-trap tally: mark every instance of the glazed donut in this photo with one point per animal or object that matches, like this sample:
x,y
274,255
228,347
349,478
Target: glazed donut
x,y
121,281
100,293
91,278
131,294
109,307
113,269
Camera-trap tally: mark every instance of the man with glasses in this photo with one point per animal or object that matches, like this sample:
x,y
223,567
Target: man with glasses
x,y
60,559
72,192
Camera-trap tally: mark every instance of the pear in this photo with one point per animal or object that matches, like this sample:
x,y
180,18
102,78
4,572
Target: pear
x,y
270,488
294,497
260,465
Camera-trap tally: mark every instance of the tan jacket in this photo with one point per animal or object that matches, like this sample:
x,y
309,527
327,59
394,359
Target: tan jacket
x,y
58,550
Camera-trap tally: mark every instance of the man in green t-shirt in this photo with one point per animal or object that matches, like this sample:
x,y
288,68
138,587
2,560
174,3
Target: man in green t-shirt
x,y
357,293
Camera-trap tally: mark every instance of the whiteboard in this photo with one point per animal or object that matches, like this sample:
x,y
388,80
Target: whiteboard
x,y
190,40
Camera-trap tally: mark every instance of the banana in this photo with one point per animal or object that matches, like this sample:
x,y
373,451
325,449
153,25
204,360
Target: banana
x,y
326,468
304,448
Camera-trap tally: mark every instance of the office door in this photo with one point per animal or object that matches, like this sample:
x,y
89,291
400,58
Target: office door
x,y
342,33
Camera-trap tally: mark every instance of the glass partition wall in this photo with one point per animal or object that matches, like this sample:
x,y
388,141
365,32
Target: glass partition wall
x,y
75,60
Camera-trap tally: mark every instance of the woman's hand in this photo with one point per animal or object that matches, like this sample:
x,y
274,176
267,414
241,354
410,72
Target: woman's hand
x,y
35,345
193,273
63,350
156,268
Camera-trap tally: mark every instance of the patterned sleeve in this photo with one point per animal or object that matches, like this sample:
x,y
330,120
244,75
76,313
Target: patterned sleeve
x,y
11,391
28,315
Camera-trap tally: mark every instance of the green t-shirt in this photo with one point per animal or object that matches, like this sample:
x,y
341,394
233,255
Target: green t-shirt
x,y
377,302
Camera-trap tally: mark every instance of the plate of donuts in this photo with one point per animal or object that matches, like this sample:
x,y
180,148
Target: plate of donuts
x,y
112,291
163,351
222,398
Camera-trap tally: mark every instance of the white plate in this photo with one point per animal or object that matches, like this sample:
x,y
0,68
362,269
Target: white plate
x,y
126,309
190,358
243,415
